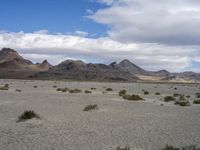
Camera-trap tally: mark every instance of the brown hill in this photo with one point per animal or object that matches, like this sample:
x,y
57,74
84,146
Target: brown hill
x,y
78,70
12,65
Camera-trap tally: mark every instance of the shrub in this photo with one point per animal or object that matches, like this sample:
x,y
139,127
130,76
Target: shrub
x,y
17,90
146,92
176,95
182,103
35,86
27,115
124,148
190,147
175,88
122,92
88,92
132,97
188,96
90,107
5,87
157,93
197,95
169,98
181,97
75,91
62,89
109,89
196,102
54,86
93,88
169,147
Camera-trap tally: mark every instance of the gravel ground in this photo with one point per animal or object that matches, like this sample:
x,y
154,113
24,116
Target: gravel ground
x,y
144,125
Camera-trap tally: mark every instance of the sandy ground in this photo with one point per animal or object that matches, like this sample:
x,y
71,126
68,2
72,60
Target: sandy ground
x,y
65,126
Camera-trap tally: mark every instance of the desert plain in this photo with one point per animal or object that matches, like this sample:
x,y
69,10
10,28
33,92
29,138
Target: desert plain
x,y
63,125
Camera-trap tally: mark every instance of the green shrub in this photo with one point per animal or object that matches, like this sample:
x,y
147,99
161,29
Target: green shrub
x,y
169,98
109,89
87,91
132,97
27,115
122,92
146,93
157,93
75,91
93,88
196,102
123,148
90,107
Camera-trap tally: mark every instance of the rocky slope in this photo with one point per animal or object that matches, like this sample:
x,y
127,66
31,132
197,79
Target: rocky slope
x,y
12,65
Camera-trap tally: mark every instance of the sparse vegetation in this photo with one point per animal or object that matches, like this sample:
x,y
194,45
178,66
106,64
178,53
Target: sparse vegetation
x,y
75,91
5,87
109,89
190,147
18,90
169,98
176,95
157,93
182,97
188,96
182,101
197,95
90,107
87,91
62,89
122,92
196,101
123,148
27,115
146,93
132,97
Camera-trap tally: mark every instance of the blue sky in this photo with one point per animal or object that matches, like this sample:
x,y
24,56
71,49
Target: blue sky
x,y
53,15
152,34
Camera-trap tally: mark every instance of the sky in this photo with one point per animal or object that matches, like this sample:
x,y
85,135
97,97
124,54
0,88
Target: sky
x,y
154,34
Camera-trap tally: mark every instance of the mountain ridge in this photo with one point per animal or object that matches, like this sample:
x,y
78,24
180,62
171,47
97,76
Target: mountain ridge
x,y
12,65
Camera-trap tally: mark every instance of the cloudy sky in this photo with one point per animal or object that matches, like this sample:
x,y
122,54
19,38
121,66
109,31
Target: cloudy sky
x,y
155,34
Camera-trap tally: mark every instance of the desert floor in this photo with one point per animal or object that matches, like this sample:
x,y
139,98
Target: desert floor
x,y
65,126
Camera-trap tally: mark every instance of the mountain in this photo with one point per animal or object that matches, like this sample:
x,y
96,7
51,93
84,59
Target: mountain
x,y
128,66
44,65
12,65
78,70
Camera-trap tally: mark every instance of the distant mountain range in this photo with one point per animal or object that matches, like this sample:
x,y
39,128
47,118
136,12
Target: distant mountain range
x,y
12,65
